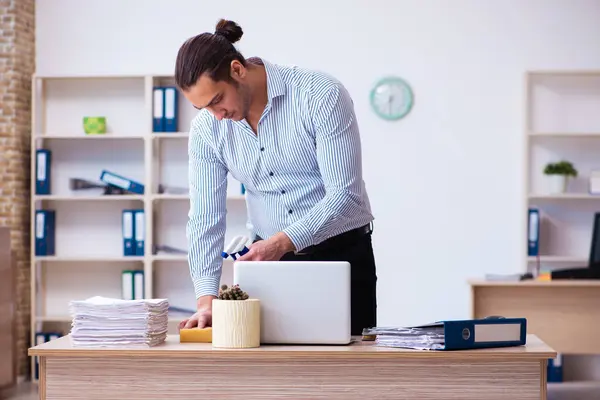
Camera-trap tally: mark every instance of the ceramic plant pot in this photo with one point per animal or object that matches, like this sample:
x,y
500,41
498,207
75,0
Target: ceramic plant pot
x,y
557,184
236,323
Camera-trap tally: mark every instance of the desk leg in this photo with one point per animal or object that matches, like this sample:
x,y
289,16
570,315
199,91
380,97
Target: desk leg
x,y
42,378
544,380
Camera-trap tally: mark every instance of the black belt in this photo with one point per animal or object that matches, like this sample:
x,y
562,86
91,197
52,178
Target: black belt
x,y
335,240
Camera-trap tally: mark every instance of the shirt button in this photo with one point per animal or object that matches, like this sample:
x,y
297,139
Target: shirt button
x,y
283,192
290,211
262,149
270,173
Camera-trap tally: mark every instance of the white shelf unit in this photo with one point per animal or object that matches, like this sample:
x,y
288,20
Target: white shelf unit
x,y
89,258
562,123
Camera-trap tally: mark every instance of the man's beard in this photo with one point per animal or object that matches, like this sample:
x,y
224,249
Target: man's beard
x,y
245,97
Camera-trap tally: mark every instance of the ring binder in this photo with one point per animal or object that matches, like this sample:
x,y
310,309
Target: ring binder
x,y
494,331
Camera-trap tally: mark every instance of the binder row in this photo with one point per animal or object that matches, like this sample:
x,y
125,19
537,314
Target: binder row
x,y
132,285
134,232
43,173
165,107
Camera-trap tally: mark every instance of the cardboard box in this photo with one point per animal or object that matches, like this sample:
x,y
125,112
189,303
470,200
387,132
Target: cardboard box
x,y
8,342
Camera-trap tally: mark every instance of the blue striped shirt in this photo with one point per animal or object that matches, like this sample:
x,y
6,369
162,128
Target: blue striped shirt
x,y
302,171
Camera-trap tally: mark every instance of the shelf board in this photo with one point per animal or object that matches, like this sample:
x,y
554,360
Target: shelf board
x,y
180,257
54,318
577,386
170,257
564,196
115,197
108,136
560,259
166,196
565,134
564,72
82,76
537,283
170,135
89,259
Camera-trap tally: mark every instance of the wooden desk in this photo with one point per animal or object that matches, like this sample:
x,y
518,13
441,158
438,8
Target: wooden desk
x,y
358,371
564,314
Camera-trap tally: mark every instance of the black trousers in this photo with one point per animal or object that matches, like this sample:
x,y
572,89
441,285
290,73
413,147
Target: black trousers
x,y
358,251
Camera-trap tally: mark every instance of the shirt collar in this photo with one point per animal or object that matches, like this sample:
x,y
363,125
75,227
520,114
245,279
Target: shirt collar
x,y
275,83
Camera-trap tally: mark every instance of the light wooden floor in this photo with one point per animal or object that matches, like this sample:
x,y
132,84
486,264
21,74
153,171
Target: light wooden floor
x,y
23,391
574,391
563,391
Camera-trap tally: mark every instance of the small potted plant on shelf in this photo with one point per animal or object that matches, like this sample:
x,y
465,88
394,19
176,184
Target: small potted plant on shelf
x,y
235,319
558,174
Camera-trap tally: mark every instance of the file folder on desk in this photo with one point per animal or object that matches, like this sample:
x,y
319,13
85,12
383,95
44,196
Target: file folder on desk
x,y
454,335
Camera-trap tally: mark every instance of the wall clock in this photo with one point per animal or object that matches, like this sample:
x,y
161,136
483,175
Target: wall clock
x,y
392,98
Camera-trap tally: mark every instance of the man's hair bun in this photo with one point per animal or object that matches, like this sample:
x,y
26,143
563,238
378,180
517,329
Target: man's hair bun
x,y
229,30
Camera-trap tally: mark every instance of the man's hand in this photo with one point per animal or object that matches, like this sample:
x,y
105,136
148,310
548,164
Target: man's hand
x,y
271,249
203,317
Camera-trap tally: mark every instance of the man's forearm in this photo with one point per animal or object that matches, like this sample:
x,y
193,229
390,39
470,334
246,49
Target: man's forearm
x,y
205,302
336,209
283,242
204,255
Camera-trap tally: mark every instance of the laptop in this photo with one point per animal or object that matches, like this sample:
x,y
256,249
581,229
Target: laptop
x,y
302,302
592,270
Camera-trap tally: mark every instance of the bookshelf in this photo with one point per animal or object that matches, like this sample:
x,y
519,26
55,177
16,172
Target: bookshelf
x,y
562,123
89,254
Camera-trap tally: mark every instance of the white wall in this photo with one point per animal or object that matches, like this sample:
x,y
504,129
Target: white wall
x,y
446,183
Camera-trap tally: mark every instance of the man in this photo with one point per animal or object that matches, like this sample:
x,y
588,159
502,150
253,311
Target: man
x,y
291,137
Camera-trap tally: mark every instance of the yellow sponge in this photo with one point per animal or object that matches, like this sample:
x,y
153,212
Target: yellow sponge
x,y
195,335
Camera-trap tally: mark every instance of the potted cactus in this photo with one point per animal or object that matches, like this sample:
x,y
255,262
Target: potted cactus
x,y
235,319
558,174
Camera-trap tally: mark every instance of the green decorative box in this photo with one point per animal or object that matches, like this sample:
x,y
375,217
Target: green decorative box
x,y
94,125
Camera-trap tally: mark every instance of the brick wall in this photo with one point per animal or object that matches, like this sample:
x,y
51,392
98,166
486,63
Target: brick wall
x,y
17,64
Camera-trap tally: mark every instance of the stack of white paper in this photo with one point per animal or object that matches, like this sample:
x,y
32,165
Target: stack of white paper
x,y
426,337
107,322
